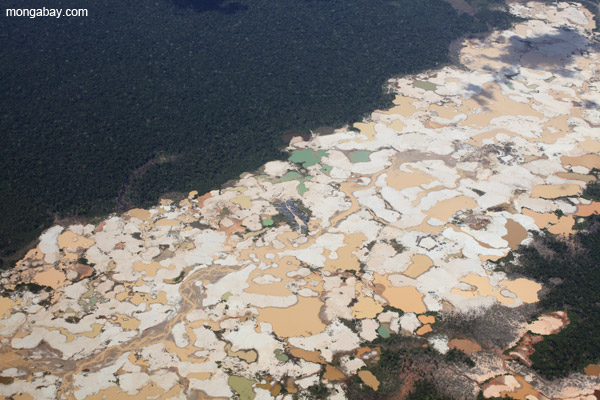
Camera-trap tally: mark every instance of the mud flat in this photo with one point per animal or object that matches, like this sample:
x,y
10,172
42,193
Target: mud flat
x,y
244,291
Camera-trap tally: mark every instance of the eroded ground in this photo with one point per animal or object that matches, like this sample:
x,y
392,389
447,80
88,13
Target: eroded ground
x,y
245,291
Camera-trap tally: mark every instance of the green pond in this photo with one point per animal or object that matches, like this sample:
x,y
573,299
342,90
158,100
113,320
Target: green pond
x,y
242,386
360,156
384,331
295,176
307,157
289,176
326,168
226,296
301,187
280,355
425,85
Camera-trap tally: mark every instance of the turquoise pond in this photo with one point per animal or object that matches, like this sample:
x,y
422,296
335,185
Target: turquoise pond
x,y
307,157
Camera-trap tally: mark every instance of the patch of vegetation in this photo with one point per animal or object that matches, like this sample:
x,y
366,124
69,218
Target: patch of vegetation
x,y
569,267
408,365
72,319
399,247
495,327
508,147
581,224
351,324
278,219
510,257
387,307
492,14
426,390
592,191
399,356
387,371
480,396
83,260
318,392
225,212
486,3
179,277
459,356
32,287
496,19
304,209
136,235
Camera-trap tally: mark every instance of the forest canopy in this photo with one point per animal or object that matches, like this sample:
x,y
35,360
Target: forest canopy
x,y
149,97
568,267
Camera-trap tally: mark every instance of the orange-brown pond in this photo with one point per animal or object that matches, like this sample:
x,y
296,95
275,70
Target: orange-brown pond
x,y
468,346
555,191
589,161
50,277
301,319
420,265
585,210
369,379
592,370
333,374
515,235
406,298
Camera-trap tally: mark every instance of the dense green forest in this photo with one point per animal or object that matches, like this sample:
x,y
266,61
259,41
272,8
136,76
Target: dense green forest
x,y
570,269
186,94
